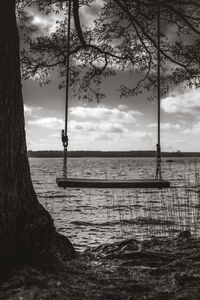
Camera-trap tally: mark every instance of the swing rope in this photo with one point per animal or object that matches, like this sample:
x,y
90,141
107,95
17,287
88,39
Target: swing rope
x,y
158,146
64,135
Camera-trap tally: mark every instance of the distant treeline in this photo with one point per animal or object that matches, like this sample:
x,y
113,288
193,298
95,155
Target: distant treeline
x,y
111,154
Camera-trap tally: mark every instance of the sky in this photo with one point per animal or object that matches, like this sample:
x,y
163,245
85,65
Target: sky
x,y
116,123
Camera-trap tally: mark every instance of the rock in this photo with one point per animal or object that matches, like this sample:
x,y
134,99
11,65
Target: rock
x,y
185,234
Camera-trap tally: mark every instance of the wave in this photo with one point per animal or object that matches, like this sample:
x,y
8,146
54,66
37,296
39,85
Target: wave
x,y
58,196
136,221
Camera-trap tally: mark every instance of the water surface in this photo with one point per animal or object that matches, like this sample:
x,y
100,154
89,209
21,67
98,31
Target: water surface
x,y
94,216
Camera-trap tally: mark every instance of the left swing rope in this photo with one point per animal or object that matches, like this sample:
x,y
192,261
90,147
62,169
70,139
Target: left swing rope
x,y
158,146
64,135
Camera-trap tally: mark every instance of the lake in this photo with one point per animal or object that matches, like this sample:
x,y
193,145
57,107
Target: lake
x,y
90,217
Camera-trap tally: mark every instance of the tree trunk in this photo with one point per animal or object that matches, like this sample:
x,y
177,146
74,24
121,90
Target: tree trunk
x,y
26,228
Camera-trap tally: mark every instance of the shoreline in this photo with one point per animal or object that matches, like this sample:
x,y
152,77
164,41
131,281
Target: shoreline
x,y
111,154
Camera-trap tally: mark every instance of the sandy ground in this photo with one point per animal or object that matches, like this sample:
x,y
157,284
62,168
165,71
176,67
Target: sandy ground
x,y
161,268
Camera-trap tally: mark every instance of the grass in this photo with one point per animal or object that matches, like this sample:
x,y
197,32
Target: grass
x,y
166,212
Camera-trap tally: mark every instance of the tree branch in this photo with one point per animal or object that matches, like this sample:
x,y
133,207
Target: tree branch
x,y
77,22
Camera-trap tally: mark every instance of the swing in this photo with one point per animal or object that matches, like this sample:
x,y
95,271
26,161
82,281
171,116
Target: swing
x,y
65,181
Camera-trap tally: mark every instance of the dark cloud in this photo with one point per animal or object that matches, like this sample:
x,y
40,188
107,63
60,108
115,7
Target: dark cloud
x,y
35,23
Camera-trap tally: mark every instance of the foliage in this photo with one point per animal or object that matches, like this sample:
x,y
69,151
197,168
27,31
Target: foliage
x,y
121,37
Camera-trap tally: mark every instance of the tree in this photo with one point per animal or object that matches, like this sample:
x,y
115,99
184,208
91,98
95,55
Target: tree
x,y
26,228
123,37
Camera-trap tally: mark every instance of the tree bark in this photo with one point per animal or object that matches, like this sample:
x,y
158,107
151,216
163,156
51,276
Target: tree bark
x,y
26,228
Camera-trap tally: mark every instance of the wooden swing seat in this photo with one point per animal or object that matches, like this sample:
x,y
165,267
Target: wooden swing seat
x,y
103,183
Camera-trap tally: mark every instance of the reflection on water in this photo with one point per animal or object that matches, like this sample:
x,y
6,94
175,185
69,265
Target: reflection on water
x,y
93,216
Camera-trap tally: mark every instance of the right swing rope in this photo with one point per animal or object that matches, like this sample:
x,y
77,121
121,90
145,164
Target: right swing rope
x,y
64,134
158,146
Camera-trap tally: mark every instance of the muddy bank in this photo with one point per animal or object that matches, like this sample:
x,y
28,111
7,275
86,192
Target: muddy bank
x,y
161,268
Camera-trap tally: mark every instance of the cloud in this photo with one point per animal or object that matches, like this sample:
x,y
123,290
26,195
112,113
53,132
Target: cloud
x,y
122,107
115,126
88,14
38,22
182,102
100,113
142,135
101,120
94,128
28,110
82,125
51,123
194,130
103,136
165,126
90,126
